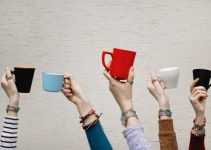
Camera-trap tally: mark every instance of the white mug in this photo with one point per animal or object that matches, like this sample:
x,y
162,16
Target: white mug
x,y
170,76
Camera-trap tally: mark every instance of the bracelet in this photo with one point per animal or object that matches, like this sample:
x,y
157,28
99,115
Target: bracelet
x,y
12,108
126,115
198,129
163,112
83,119
199,126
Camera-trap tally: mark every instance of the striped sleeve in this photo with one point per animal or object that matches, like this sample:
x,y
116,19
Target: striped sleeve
x,y
9,134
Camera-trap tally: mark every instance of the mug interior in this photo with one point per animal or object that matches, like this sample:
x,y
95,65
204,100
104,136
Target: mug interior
x,y
169,69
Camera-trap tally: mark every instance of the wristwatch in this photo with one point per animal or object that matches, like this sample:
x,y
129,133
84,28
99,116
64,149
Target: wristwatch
x,y
163,112
12,108
126,115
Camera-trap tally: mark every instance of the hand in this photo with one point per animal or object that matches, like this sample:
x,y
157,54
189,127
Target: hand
x,y
197,99
156,88
10,89
122,92
74,93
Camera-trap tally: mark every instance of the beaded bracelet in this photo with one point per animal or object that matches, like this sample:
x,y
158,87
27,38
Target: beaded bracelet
x,y
198,129
199,126
83,118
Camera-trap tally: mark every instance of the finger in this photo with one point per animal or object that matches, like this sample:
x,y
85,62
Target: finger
x,y
193,84
66,91
201,96
67,86
107,75
131,74
8,72
4,79
199,88
199,92
154,77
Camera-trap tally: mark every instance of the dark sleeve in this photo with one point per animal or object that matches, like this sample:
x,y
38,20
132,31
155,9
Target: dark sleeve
x,y
97,138
167,136
196,142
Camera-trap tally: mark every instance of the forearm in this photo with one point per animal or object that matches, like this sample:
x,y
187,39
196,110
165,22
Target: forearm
x,y
83,108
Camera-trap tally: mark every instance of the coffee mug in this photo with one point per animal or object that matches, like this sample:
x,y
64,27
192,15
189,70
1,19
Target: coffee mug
x,y
170,76
204,76
121,62
23,78
52,82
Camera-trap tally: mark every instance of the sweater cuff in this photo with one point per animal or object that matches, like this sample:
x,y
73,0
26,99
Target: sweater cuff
x,y
131,128
166,125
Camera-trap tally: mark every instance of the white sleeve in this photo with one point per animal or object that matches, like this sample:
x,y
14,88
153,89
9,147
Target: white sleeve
x,y
9,134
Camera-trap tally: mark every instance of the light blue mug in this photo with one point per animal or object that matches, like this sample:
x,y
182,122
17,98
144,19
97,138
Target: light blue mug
x,y
52,82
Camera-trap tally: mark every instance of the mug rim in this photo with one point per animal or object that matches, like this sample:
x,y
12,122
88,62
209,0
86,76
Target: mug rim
x,y
52,73
169,69
124,50
201,69
24,67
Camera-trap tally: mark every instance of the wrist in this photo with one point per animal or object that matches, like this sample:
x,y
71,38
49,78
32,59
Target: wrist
x,y
200,118
83,106
14,101
126,106
164,103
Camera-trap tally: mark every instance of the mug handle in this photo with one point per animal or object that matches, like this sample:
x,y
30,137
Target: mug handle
x,y
103,59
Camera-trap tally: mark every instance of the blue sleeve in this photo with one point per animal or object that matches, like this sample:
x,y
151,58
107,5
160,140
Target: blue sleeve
x,y
97,138
135,137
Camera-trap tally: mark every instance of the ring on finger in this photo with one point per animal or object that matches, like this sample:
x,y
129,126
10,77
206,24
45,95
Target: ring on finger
x,y
9,78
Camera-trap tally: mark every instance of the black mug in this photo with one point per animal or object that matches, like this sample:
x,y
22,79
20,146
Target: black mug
x,y
23,78
204,76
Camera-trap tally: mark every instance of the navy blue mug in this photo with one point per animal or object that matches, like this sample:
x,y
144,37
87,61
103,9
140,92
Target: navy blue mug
x,y
23,78
204,76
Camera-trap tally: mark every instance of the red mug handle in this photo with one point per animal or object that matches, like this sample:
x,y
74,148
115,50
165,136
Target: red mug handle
x,y
103,59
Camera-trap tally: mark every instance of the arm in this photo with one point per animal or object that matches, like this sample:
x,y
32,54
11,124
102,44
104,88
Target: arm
x,y
94,132
122,92
197,98
9,134
167,135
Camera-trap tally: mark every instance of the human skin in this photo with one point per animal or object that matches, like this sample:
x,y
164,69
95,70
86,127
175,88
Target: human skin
x,y
11,91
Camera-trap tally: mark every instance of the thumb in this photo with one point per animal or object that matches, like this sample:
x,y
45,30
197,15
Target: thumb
x,y
194,84
107,75
131,74
8,72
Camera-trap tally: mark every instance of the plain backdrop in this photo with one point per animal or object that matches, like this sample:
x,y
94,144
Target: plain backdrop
x,y
68,36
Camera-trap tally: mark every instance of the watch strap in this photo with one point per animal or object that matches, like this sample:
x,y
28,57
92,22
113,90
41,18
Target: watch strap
x,y
12,108
163,112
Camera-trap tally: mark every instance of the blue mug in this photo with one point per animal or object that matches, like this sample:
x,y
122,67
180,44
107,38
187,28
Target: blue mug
x,y
52,82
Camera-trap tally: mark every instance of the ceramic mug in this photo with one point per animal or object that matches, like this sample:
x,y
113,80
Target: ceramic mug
x,y
23,78
52,82
204,76
121,62
170,76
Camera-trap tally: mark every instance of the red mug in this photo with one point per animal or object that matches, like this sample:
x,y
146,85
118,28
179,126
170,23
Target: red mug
x,y
121,62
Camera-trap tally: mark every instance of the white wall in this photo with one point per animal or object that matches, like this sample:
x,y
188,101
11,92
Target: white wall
x,y
69,35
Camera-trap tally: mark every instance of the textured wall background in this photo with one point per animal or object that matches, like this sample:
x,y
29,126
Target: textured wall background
x,y
69,35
